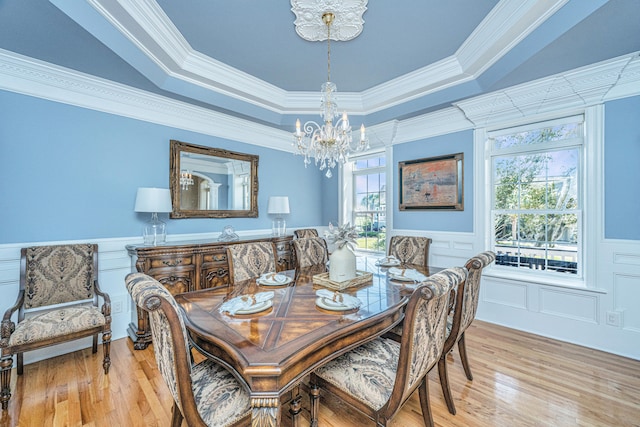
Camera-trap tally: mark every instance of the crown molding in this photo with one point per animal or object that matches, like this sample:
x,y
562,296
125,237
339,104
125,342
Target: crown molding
x,y
36,78
146,26
578,88
604,81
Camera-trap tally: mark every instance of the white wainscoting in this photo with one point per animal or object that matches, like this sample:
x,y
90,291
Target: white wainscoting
x,y
605,316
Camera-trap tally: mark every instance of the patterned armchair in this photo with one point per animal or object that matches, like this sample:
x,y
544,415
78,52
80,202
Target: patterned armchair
x,y
310,251
305,232
205,394
410,249
379,376
250,260
463,313
57,302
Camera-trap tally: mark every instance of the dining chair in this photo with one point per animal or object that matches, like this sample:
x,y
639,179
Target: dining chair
x,y
378,377
410,249
204,394
310,251
58,301
250,260
305,232
462,313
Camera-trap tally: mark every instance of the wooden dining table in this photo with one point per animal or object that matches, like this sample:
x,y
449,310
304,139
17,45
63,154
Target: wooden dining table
x,y
273,350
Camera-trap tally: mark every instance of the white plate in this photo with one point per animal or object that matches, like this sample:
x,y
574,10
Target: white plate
x,y
383,263
256,308
328,304
269,282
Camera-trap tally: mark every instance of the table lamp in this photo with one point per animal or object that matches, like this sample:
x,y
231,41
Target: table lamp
x,y
154,200
278,205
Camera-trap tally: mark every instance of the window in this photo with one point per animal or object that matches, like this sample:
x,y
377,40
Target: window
x,y
536,208
369,202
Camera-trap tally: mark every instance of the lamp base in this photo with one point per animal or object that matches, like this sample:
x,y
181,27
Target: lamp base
x,y
279,227
154,232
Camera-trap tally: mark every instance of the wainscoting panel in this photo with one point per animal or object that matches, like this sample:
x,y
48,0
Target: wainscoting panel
x,y
569,304
626,288
506,293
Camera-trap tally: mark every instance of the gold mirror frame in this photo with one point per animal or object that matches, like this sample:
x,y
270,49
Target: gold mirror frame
x,y
180,150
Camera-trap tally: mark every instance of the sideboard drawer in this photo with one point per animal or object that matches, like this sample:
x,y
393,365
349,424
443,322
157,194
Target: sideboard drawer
x,y
170,261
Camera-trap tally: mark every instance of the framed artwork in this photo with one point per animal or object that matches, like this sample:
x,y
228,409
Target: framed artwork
x,y
432,183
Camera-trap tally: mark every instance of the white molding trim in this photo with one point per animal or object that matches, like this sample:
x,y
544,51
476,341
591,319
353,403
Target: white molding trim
x,y
145,25
32,77
608,80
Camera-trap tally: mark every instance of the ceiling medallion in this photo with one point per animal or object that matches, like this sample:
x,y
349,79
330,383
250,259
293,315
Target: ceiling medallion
x,y
347,23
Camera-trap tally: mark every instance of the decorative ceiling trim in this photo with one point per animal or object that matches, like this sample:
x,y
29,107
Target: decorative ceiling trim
x,y
601,82
149,30
583,87
40,79
347,23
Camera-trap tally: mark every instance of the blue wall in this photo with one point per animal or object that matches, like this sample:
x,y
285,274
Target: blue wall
x,y
462,221
621,168
70,173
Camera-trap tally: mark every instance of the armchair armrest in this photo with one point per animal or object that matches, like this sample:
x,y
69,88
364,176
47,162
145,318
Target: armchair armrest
x,y
8,326
106,307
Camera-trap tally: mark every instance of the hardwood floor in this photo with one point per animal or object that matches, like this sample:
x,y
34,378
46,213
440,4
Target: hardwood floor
x,y
519,380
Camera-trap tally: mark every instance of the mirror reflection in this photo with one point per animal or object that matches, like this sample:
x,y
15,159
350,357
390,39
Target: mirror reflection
x,y
209,182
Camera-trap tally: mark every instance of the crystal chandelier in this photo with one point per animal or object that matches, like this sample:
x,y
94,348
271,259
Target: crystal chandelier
x,y
329,143
186,179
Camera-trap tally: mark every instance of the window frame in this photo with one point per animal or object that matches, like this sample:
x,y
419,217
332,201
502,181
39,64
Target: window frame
x,y
353,173
591,173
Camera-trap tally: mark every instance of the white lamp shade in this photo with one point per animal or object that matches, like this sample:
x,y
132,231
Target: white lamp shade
x,y
278,205
153,200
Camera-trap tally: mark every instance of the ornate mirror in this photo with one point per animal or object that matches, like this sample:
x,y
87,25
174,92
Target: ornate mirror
x,y
212,183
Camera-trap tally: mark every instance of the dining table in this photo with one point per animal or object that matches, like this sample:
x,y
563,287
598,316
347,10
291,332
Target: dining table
x,y
271,350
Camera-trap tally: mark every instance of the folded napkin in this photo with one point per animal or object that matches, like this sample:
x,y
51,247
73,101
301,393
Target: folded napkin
x,y
245,302
408,273
339,298
275,278
389,260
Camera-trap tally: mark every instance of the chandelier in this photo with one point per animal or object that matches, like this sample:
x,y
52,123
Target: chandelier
x,y
328,143
186,179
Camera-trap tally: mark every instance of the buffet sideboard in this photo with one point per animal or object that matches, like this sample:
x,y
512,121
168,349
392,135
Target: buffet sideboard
x,y
189,266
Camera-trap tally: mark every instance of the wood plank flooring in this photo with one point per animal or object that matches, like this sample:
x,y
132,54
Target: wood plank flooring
x,y
519,380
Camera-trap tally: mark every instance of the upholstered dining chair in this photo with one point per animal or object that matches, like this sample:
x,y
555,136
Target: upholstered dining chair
x,y
310,251
305,232
57,302
462,313
205,394
378,377
410,249
250,260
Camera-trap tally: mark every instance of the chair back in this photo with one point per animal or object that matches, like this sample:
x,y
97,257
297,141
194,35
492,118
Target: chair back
x,y
467,296
410,249
310,251
305,232
168,332
250,260
423,333
58,274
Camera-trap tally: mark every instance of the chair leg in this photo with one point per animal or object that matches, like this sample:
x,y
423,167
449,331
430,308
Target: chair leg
x,y
5,380
463,357
423,391
106,349
314,396
94,349
444,383
20,363
176,416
